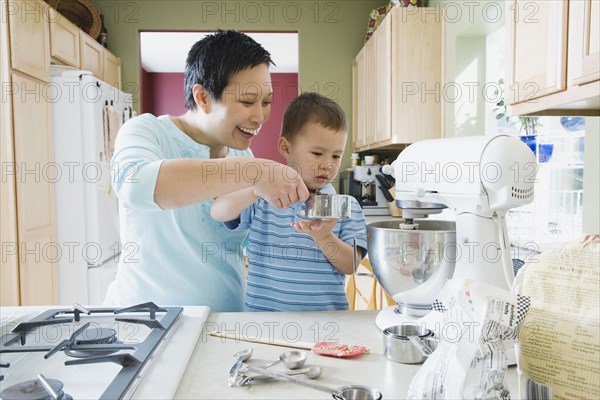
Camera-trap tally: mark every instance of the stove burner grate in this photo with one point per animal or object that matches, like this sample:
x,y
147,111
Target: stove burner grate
x,y
34,390
132,364
94,336
97,336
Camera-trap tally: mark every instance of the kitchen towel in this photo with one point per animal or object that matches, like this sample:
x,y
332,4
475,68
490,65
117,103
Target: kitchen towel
x,y
112,124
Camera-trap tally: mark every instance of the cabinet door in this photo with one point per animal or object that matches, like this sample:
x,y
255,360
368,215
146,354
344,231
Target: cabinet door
x,y
29,37
583,36
370,83
537,43
416,74
112,69
92,56
64,39
359,100
382,80
38,250
9,273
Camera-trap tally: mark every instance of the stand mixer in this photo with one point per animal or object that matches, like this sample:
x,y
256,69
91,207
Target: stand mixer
x,y
480,178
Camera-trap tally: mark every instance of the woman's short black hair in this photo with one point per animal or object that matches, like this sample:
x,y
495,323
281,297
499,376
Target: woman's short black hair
x,y
214,59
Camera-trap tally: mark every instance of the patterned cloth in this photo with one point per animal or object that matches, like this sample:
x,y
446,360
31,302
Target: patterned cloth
x,y
286,270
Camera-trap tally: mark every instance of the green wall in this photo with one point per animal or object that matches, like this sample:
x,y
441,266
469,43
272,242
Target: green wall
x,y
330,34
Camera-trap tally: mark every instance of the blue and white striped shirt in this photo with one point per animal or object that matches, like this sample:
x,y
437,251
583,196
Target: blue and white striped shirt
x,y
286,269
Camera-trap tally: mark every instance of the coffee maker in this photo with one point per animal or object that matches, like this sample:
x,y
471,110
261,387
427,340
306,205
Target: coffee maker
x,y
362,184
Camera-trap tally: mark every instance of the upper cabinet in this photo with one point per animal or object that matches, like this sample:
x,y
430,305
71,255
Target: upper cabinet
x,y
112,69
70,46
64,40
586,42
92,56
553,57
359,100
29,38
397,81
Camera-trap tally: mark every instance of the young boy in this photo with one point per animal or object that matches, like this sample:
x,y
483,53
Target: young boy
x,y
296,264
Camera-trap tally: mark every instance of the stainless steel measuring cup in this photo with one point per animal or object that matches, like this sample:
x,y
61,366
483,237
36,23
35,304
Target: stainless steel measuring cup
x,y
326,206
408,343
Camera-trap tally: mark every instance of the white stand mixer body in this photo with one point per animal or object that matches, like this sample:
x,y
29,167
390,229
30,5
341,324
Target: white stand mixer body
x,y
480,178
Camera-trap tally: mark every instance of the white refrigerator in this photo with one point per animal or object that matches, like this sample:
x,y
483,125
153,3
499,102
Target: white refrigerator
x,y
86,116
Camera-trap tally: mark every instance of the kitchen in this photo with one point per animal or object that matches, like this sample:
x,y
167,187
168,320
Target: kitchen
x,y
333,25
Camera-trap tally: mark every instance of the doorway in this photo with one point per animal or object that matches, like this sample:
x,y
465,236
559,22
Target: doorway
x,y
162,61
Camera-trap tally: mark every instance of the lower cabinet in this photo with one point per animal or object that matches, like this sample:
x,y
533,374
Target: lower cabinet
x,y
36,250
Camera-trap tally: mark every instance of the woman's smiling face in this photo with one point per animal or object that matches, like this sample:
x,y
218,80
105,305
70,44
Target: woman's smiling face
x,y
244,106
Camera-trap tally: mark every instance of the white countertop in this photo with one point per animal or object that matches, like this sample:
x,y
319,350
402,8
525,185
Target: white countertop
x,y
207,372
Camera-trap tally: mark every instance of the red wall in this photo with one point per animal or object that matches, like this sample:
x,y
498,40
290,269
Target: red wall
x,y
285,89
162,93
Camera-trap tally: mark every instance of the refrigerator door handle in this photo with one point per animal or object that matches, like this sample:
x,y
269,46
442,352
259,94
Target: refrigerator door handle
x,y
101,263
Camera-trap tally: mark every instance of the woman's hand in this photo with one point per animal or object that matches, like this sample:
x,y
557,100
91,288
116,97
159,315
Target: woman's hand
x,y
280,185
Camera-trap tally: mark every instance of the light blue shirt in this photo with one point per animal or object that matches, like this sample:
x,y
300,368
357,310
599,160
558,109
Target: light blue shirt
x,y
171,257
286,269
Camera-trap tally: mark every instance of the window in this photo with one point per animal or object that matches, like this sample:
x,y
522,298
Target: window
x,y
556,213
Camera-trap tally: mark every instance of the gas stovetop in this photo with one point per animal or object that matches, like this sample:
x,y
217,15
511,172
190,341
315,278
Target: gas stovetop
x,y
95,353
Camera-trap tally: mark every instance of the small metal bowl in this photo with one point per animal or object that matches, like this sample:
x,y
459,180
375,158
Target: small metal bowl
x,y
397,347
326,206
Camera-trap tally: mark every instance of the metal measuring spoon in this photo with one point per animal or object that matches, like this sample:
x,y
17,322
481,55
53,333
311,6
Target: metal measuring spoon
x,y
291,359
342,393
242,356
311,373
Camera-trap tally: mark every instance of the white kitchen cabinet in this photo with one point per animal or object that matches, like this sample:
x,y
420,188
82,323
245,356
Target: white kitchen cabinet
x,y
553,57
402,81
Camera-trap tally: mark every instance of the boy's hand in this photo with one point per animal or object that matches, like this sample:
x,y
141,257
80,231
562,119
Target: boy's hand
x,y
317,229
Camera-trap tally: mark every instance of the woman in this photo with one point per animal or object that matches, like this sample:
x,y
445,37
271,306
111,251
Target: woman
x,y
166,171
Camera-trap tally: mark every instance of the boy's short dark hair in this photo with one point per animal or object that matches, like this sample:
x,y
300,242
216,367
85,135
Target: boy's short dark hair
x,y
214,59
315,108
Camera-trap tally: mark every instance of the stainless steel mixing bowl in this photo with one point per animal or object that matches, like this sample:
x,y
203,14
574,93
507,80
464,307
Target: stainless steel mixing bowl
x,y
412,265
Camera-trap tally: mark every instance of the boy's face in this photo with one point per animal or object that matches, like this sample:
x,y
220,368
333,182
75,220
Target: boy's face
x,y
315,152
243,108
